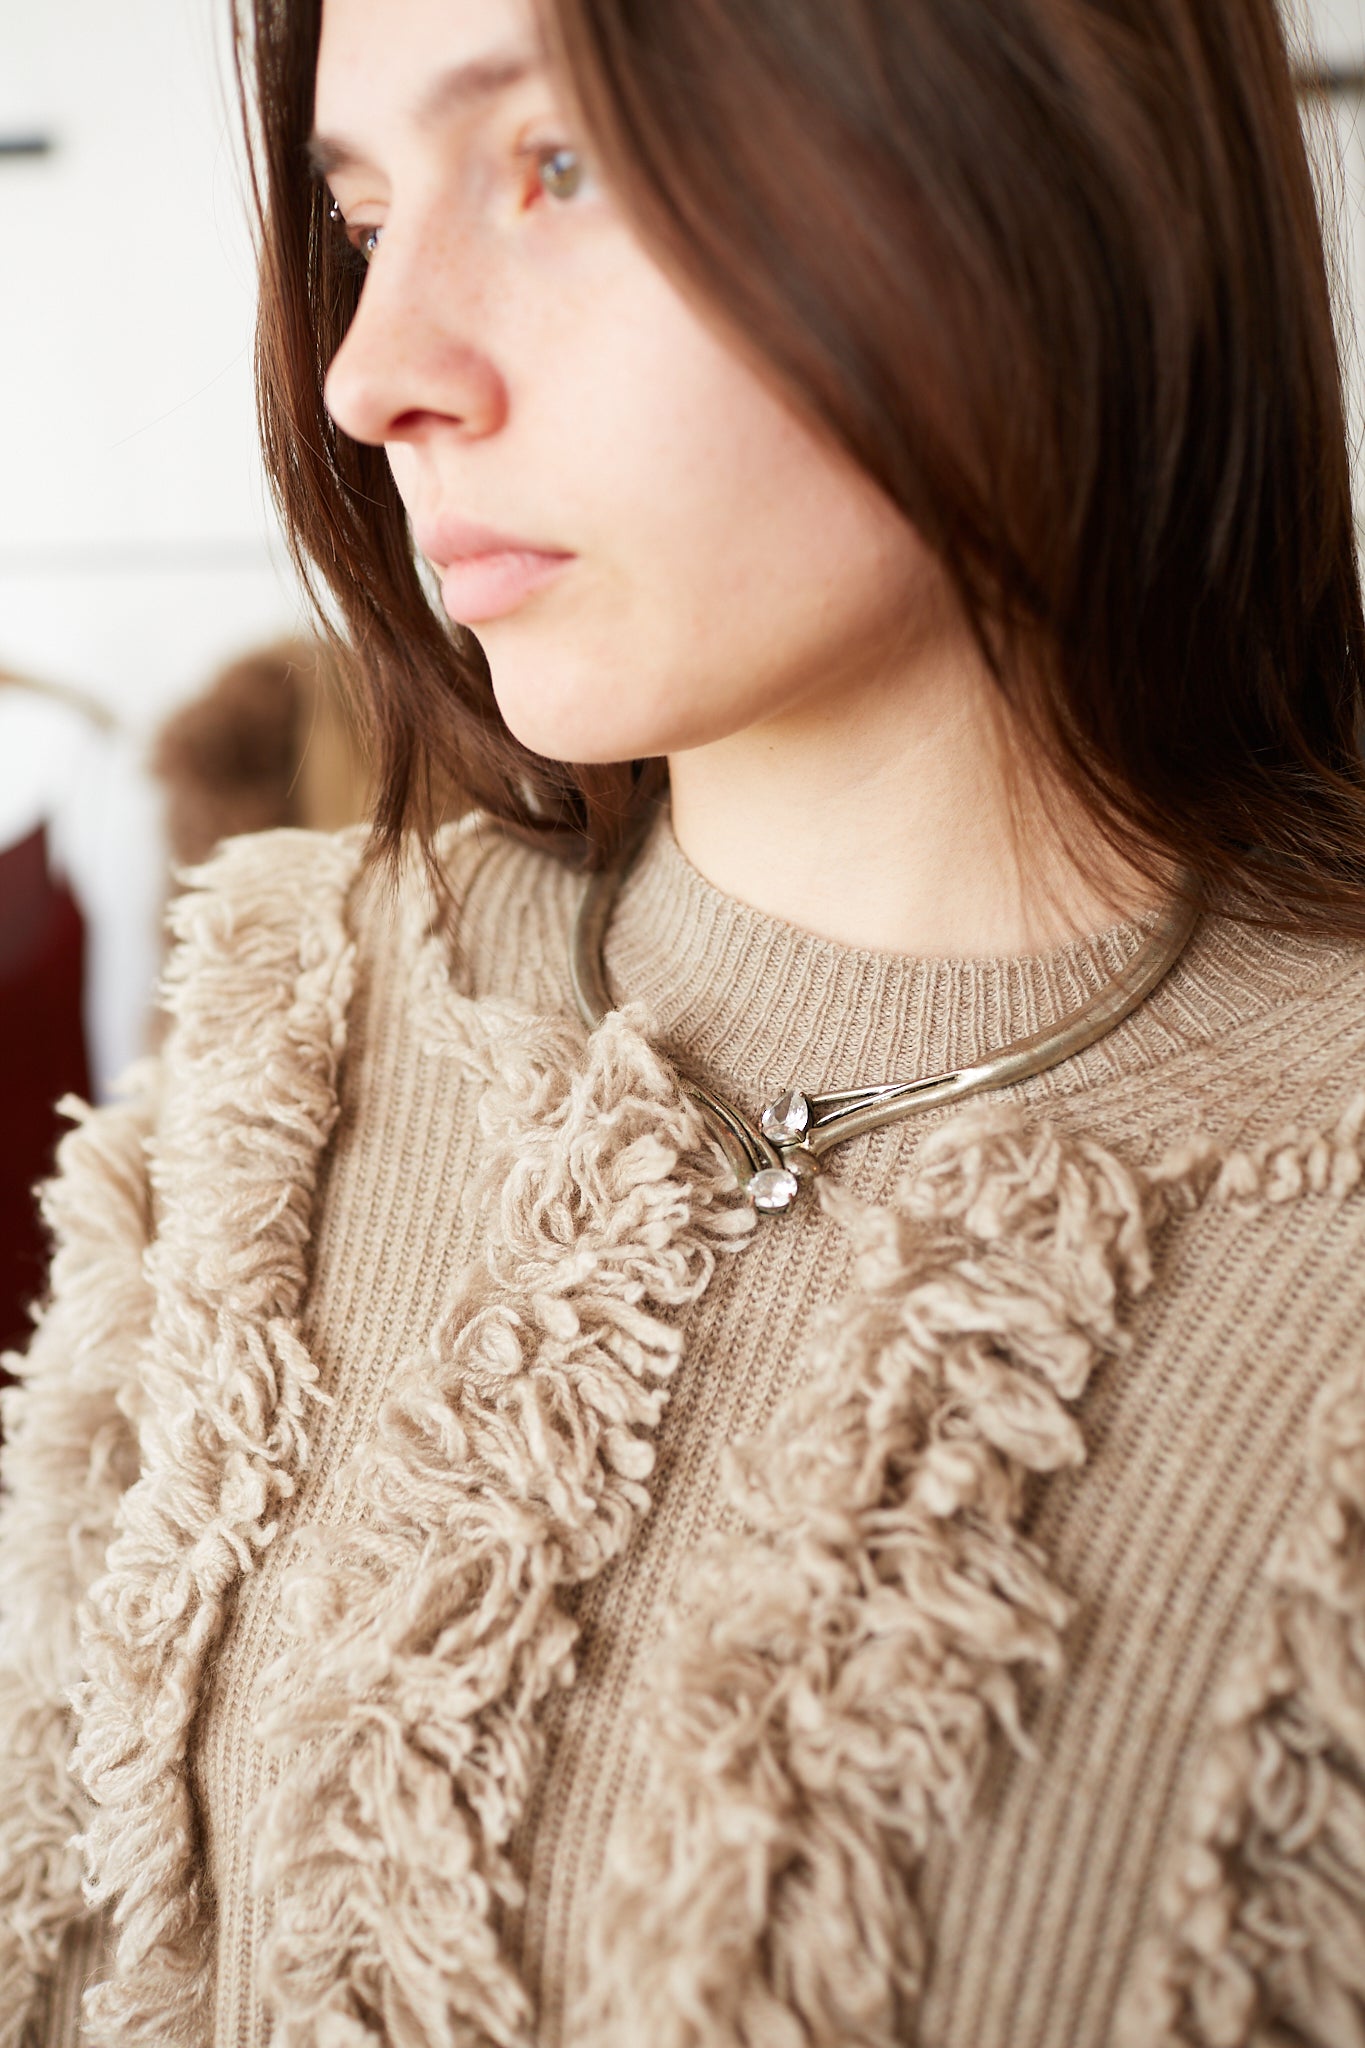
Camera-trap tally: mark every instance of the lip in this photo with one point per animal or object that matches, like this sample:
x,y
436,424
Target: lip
x,y
479,587
486,573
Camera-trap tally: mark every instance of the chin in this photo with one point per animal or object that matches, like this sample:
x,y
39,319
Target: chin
x,y
590,719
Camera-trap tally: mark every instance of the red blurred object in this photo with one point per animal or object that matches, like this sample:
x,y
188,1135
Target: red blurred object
x,y
42,1057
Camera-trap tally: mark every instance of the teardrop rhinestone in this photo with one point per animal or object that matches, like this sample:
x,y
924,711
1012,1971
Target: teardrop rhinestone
x,y
787,1120
773,1189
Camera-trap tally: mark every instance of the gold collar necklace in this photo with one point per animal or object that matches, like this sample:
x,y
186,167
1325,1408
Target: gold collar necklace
x,y
772,1158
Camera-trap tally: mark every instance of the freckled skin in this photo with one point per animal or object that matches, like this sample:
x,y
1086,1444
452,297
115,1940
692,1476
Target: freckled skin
x,y
530,367
742,599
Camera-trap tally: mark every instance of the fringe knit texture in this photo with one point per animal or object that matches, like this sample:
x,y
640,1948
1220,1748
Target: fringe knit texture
x,y
863,1641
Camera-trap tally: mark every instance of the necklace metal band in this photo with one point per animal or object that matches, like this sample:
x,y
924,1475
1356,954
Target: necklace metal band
x,y
771,1159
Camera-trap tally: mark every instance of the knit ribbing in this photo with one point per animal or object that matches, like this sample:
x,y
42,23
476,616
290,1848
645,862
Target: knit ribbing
x,y
1244,1026
750,1000
829,1701
744,994
1001,1818
260,989
510,1458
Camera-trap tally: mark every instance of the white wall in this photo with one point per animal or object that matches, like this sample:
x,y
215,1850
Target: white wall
x,y
1332,34
1334,26
136,552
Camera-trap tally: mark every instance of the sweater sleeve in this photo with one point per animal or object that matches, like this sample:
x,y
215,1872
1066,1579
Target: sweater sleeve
x,y
69,1455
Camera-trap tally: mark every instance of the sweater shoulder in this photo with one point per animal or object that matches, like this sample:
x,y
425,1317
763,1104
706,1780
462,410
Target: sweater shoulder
x,y
1286,986
263,890
1286,1081
501,908
509,916
292,952
1254,1042
258,990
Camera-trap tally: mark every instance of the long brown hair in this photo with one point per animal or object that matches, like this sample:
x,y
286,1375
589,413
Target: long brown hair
x,y
1052,272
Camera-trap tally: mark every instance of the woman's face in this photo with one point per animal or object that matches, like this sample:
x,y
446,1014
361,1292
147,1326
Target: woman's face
x,y
684,558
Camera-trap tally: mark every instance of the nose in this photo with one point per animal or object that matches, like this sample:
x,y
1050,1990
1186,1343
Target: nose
x,y
410,364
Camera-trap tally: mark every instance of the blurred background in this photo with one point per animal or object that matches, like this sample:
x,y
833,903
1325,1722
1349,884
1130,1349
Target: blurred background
x,y
157,685
155,690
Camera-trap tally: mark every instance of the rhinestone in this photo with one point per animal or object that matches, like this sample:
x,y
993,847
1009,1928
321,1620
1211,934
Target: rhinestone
x,y
774,1189
788,1119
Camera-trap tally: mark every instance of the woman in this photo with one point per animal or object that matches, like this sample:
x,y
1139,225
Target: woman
x,y
473,1572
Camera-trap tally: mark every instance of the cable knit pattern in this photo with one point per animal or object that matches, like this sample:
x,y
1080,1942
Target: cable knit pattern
x,y
511,1459
69,1456
259,991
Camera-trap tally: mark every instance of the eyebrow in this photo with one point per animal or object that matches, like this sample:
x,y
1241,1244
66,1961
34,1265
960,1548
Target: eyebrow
x,y
463,90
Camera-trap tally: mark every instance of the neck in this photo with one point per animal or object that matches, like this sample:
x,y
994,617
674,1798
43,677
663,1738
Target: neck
x,y
885,817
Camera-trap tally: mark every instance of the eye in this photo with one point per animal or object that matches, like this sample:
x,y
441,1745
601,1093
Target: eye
x,y
363,240
560,171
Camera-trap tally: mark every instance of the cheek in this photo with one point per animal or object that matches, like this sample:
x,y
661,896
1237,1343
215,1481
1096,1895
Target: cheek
x,y
740,504
403,467
736,567
779,551
712,615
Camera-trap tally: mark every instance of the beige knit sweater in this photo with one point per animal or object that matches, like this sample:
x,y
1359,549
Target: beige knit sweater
x,y
465,1583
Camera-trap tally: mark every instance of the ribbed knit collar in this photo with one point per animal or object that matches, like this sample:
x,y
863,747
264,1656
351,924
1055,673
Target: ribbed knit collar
x,y
757,1004
764,1003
